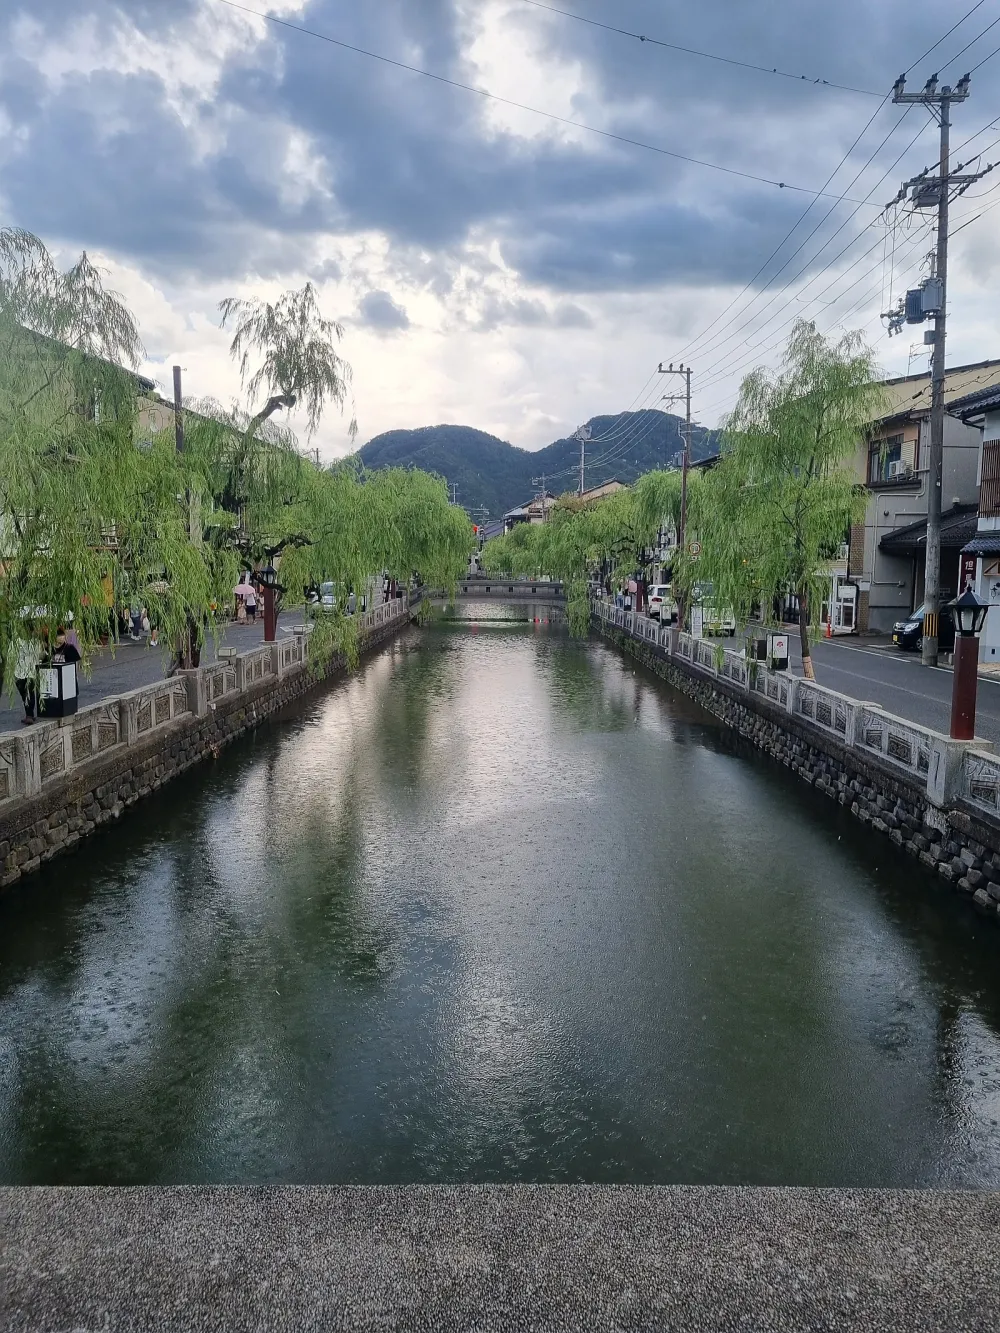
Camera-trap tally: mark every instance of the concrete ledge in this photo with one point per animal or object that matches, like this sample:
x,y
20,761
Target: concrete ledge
x,y
498,1258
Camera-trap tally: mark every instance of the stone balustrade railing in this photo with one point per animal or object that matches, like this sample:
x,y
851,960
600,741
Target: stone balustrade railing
x,y
33,759
950,771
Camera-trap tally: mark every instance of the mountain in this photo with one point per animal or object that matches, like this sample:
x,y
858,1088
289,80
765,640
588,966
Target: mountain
x,y
490,473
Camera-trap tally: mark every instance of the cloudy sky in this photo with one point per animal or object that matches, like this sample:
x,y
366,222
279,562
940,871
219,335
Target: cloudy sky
x,y
492,266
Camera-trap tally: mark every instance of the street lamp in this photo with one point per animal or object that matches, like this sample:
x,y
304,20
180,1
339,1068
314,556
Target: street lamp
x,y
268,580
970,617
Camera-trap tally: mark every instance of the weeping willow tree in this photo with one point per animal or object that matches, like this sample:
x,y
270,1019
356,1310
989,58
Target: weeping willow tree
x,y
612,538
86,516
90,514
784,495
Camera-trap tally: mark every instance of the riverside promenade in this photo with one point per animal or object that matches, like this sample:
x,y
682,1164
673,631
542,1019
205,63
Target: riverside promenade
x,y
508,1259
129,665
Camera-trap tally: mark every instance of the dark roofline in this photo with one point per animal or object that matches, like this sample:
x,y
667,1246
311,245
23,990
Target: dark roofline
x,y
949,370
974,404
953,515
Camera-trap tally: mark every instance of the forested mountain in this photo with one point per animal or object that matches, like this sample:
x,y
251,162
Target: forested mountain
x,y
491,473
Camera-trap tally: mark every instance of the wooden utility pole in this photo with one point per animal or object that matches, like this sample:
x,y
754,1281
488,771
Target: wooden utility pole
x,y
685,373
938,102
178,412
583,435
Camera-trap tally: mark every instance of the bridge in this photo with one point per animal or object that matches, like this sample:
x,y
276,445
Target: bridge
x,y
508,589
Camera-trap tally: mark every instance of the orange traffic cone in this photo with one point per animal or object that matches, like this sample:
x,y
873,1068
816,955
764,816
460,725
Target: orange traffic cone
x,y
829,629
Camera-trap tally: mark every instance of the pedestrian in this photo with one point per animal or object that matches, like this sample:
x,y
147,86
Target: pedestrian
x,y
63,651
29,655
154,637
251,604
71,635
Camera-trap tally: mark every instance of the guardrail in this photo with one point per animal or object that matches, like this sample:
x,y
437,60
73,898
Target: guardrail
x,y
950,771
31,761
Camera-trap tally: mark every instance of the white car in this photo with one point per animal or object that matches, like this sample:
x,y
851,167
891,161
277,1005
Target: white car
x,y
660,606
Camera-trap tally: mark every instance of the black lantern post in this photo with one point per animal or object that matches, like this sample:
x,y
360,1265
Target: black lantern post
x,y
268,580
970,617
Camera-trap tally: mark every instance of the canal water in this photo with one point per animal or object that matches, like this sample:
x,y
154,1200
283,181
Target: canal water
x,y
498,907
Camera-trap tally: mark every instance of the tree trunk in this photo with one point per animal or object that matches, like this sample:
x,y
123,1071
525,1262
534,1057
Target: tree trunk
x,y
807,664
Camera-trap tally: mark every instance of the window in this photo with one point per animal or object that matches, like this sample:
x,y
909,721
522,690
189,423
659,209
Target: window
x,y
883,454
989,494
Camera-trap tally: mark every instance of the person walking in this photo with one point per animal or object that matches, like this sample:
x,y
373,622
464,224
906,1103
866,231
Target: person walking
x,y
251,604
29,655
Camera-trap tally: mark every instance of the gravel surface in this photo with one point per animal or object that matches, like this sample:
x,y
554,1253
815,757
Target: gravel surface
x,y
498,1258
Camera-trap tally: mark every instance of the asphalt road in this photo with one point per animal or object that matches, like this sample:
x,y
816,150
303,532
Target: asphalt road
x,y
584,1258
879,673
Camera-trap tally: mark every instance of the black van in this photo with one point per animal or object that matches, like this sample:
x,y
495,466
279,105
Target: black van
x,y
909,632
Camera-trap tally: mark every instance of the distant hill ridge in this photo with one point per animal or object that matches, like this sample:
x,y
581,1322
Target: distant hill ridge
x,y
488,472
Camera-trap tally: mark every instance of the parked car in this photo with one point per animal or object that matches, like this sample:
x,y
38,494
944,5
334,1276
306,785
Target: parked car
x,y
909,633
323,597
660,603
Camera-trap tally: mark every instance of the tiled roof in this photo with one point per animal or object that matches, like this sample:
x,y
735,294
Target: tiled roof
x,y
958,525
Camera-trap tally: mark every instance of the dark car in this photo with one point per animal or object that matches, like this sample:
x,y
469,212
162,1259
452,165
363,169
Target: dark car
x,y
909,632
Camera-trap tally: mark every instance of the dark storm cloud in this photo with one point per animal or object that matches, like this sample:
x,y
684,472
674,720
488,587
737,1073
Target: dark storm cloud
x,y
105,160
380,312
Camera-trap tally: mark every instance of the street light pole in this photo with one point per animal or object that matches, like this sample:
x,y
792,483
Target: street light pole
x,y
970,616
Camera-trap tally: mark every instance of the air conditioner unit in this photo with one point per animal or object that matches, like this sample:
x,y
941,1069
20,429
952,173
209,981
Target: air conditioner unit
x,y
898,469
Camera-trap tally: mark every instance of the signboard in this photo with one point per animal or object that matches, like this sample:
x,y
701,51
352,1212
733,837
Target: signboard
x,y
695,549
967,570
697,622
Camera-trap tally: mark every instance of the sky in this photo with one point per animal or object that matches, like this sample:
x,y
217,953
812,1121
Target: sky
x,y
491,266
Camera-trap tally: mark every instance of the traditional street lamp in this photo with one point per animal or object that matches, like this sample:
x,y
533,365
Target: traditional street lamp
x,y
268,580
970,617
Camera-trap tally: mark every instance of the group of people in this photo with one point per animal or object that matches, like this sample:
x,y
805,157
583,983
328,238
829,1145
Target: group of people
x,y
36,650
134,624
246,601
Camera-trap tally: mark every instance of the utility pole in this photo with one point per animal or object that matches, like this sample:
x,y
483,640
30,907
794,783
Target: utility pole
x,y
685,373
178,412
540,481
454,493
583,435
938,101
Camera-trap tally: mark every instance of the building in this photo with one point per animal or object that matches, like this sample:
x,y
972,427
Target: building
x,y
535,511
884,575
602,492
979,560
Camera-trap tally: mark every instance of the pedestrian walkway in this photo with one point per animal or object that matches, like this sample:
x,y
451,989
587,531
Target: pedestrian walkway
x,y
128,665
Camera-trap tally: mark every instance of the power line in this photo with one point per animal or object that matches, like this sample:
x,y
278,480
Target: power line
x,y
687,348
522,106
705,55
969,13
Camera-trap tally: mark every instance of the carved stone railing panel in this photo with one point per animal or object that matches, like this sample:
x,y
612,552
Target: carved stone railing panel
x,y
981,780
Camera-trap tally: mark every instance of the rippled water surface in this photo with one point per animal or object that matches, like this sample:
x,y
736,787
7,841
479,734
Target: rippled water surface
x,y
498,907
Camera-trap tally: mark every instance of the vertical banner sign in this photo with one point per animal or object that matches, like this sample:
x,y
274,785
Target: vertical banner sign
x,y
966,571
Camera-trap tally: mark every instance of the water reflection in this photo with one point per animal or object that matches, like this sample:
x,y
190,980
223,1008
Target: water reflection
x,y
499,907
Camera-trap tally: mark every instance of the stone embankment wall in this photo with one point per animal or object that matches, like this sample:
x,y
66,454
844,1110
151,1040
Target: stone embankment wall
x,y
59,781
931,796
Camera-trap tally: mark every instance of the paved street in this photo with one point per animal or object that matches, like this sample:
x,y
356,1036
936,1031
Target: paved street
x,y
132,665
879,673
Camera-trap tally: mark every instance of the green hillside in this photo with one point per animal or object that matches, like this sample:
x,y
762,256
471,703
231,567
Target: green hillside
x,y
492,473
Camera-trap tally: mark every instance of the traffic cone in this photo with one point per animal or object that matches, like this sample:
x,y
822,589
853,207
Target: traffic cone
x,y
829,629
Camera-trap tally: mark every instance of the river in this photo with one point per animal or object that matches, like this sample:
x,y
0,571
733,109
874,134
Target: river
x,y
497,907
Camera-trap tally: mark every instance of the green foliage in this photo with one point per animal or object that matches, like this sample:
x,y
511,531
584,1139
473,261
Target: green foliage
x,y
90,515
288,350
611,538
783,498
